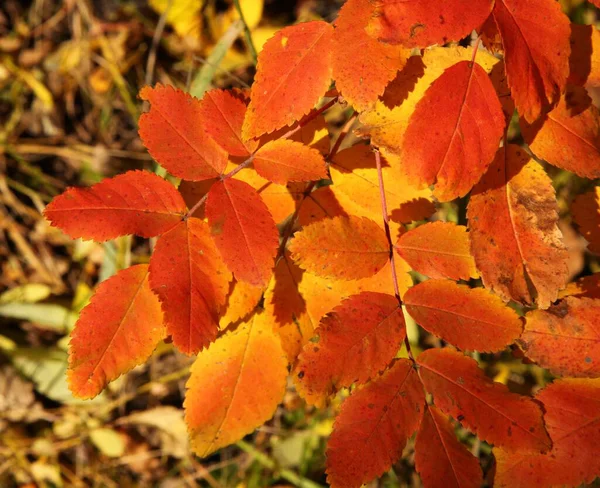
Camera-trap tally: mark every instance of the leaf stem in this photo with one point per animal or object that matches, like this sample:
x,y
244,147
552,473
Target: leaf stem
x,y
198,204
239,168
388,234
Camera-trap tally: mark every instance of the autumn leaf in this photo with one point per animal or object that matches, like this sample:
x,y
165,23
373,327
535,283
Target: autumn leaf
x,y
235,386
584,62
357,340
586,214
241,301
136,202
320,204
438,250
572,418
173,132
463,111
440,458
243,230
584,287
515,239
116,331
343,247
283,161
469,318
569,135
361,65
192,282
565,339
222,114
488,409
421,23
296,56
356,187
535,36
373,427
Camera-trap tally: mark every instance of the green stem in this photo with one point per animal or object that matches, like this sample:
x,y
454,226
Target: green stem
x,y
247,33
268,463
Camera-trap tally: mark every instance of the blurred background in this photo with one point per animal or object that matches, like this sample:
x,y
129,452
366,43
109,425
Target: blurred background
x,y
69,75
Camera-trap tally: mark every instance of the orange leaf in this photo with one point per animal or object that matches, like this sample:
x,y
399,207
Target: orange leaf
x,y
243,230
373,427
296,56
584,287
565,338
569,135
357,340
421,23
356,187
584,63
440,458
320,204
469,318
173,132
438,250
535,35
362,66
191,281
235,386
116,331
488,409
136,202
515,239
343,247
586,214
463,111
283,160
223,115
572,415
242,300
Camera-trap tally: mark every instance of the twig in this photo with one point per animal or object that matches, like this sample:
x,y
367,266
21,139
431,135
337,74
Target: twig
x,y
247,33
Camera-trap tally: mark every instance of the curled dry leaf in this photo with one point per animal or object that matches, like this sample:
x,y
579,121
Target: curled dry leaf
x,y
357,340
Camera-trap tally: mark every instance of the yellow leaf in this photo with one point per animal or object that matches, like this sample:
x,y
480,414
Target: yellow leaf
x,y
185,16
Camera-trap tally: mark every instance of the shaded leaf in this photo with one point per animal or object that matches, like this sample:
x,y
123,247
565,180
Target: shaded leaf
x,y
192,282
535,36
173,132
242,300
440,458
488,409
515,239
136,202
469,318
357,340
298,55
118,330
243,230
586,214
373,426
463,111
584,287
565,338
584,62
439,250
235,386
421,23
284,160
343,247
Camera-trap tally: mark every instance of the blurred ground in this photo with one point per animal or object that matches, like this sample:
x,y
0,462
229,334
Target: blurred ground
x,y
69,74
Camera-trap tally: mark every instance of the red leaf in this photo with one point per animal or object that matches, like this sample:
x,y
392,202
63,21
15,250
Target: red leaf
x,y
535,35
569,135
565,338
192,282
438,250
296,56
469,318
373,426
515,239
243,230
173,131
136,202
488,409
440,458
116,331
357,340
463,111
421,23
223,114
346,248
572,415
283,160
362,66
